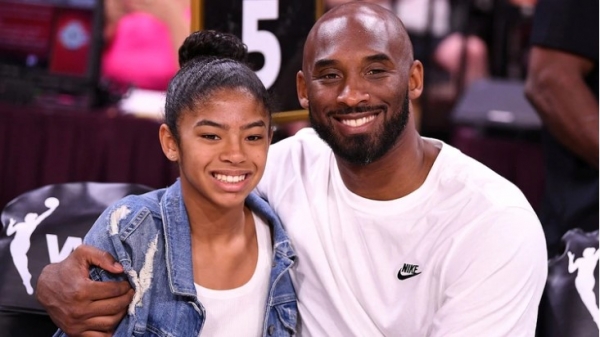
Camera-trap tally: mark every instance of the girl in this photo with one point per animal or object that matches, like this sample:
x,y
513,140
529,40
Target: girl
x,y
205,255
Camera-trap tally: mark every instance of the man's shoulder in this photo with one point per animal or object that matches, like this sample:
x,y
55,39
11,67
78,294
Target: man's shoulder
x,y
478,181
482,205
304,137
294,161
305,144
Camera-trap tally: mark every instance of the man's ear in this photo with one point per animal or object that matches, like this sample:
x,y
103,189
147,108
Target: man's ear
x,y
168,143
301,89
415,80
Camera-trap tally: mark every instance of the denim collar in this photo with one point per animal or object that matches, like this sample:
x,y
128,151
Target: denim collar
x,y
178,238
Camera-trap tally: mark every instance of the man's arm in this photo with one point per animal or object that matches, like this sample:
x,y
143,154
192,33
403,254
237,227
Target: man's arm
x,y
556,88
78,305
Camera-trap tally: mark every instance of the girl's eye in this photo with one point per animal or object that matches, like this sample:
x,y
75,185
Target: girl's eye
x,y
254,138
210,137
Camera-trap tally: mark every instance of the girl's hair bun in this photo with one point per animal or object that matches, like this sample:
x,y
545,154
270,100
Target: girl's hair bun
x,y
210,43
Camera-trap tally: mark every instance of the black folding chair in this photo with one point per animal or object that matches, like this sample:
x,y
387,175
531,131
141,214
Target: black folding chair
x,y
44,226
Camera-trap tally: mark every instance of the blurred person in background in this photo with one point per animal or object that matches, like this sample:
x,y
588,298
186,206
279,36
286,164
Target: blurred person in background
x,y
454,34
562,85
141,41
450,34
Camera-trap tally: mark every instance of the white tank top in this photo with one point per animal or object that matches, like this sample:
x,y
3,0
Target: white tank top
x,y
240,311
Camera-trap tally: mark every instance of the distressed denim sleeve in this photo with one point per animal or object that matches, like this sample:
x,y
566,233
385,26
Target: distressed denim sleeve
x,y
104,235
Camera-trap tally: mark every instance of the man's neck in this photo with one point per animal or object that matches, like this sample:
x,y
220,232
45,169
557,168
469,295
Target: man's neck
x,y
398,173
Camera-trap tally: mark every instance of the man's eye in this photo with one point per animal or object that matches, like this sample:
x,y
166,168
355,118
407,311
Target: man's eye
x,y
375,71
329,76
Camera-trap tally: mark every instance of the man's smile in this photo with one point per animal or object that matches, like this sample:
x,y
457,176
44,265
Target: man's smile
x,y
357,122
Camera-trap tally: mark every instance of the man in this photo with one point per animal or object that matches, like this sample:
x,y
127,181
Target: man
x,y
562,84
396,235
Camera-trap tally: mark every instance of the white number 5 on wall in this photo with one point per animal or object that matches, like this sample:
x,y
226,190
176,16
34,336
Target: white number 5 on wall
x,y
262,41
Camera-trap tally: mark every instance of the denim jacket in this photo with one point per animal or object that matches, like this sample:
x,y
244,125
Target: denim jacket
x,y
149,235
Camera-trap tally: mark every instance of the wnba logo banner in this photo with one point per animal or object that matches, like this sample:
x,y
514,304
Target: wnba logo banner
x,y
21,242
570,303
44,226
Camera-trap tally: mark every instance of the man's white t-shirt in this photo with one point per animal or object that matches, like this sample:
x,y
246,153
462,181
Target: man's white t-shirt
x,y
463,255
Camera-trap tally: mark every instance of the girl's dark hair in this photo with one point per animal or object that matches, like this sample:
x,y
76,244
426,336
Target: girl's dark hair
x,y
210,61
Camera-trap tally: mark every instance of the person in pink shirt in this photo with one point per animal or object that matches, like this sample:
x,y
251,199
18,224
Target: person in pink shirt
x,y
141,41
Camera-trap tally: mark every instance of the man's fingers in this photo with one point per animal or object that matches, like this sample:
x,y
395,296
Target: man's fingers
x,y
73,300
113,306
97,318
101,326
109,290
88,255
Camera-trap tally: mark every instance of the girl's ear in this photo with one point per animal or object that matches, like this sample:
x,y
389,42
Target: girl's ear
x,y
168,143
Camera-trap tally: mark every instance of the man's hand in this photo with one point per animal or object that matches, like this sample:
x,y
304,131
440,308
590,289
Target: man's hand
x,y
78,305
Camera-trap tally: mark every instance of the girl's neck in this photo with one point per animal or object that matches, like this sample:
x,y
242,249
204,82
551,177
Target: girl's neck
x,y
224,250
217,225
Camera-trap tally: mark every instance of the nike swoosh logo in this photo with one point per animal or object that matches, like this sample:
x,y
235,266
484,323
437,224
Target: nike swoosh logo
x,y
402,276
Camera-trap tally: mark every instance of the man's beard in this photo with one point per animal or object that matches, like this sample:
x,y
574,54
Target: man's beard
x,y
363,149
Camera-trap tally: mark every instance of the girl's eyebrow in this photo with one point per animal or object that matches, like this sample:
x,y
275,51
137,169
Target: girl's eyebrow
x,y
206,122
258,123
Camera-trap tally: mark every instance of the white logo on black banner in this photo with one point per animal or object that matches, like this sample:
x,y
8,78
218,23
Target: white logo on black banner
x,y
20,244
585,280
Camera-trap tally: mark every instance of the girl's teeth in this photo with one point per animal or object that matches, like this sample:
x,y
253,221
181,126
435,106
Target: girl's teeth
x,y
230,179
